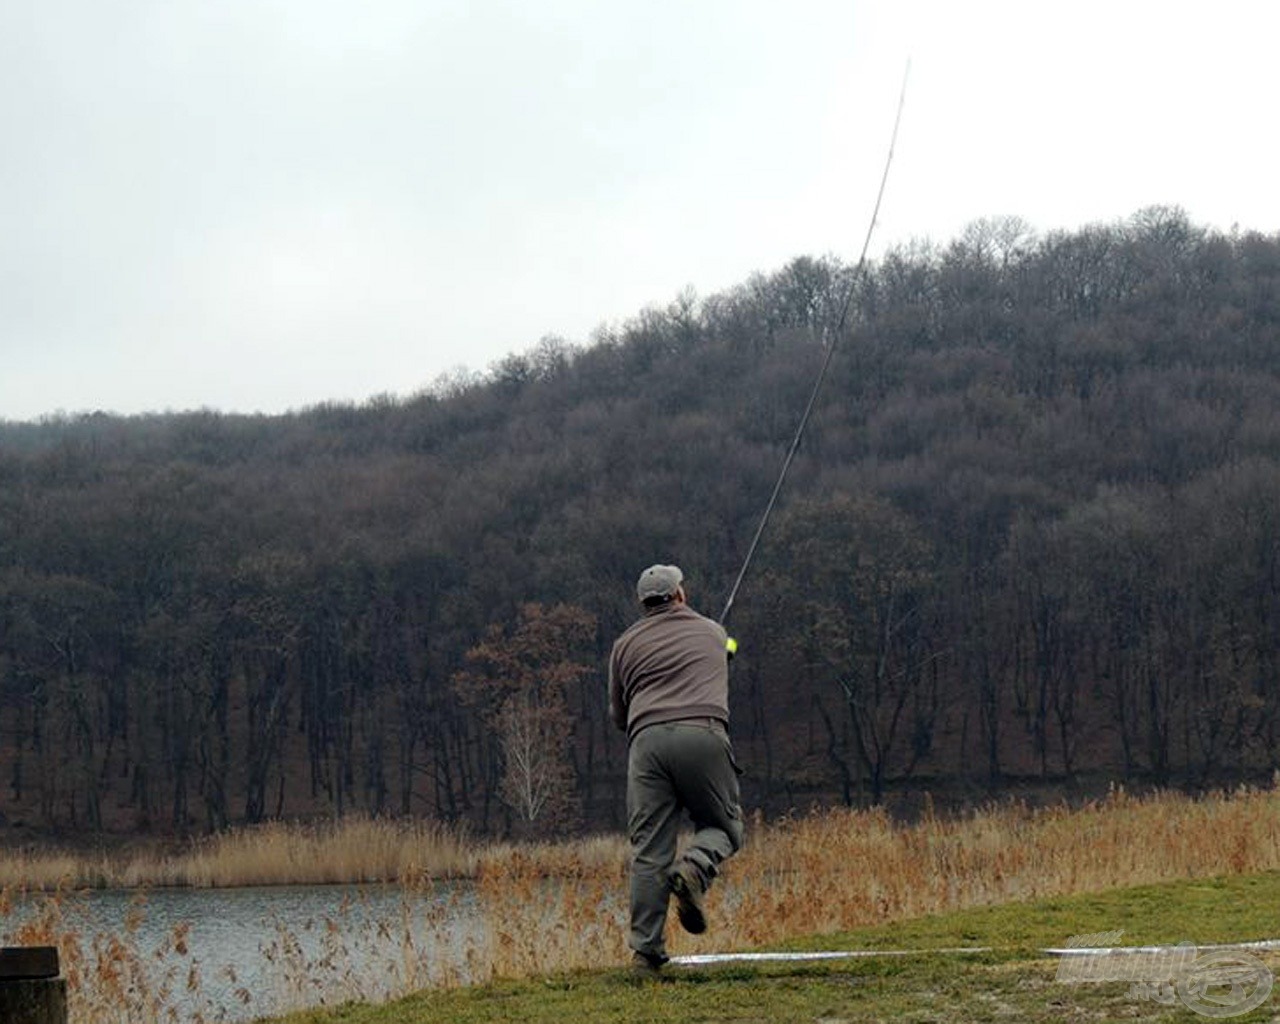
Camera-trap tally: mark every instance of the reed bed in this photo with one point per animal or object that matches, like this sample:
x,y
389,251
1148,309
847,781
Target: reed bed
x,y
532,909
354,850
33,868
846,869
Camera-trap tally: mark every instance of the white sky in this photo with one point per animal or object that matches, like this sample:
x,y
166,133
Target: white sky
x,y
257,205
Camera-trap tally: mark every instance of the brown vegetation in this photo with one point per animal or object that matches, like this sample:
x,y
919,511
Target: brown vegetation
x,y
559,906
354,850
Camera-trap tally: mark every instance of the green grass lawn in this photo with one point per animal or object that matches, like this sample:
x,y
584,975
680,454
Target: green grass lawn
x,y
1013,982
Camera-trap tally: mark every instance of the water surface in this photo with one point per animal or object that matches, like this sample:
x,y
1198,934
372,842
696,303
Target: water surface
x,y
236,954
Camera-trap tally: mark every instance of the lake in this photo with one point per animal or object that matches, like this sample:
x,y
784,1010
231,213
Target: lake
x,y
237,954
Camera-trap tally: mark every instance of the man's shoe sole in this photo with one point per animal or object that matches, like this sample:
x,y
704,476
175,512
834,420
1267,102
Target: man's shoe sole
x,y
688,905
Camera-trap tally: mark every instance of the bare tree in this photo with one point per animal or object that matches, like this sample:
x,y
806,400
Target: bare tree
x,y
519,682
537,779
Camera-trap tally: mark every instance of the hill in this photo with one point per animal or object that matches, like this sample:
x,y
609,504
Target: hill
x,y
1030,538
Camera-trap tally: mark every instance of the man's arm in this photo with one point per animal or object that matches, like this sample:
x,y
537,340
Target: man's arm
x,y
617,706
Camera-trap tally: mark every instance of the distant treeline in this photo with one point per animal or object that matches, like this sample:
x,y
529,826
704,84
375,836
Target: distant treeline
x,y
1033,534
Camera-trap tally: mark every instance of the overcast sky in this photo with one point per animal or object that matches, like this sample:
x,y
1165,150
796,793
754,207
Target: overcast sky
x,y
258,205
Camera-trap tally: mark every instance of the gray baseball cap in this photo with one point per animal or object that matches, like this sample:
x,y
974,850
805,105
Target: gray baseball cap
x,y
659,581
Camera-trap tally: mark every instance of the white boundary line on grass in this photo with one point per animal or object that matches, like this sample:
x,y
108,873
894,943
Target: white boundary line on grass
x,y
1148,950
700,959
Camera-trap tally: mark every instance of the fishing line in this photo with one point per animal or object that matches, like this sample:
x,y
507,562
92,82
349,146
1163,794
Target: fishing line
x,y
826,362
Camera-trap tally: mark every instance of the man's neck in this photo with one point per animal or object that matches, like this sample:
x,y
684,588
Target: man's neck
x,y
659,609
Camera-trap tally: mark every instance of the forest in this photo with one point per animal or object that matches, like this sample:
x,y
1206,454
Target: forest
x,y
1030,543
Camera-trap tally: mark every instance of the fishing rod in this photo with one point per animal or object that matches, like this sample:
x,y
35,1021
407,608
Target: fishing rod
x,y
826,362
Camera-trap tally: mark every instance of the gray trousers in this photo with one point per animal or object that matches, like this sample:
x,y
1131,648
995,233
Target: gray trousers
x,y
675,767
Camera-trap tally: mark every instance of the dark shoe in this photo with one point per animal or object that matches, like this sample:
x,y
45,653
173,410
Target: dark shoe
x,y
687,886
647,965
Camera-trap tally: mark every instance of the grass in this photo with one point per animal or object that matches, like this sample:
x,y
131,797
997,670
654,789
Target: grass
x,y
1013,982
539,911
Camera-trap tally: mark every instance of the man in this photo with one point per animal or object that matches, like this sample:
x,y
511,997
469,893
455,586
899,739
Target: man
x,y
669,690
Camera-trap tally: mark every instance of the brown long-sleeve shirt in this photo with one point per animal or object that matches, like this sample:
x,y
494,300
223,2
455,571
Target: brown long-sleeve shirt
x,y
667,666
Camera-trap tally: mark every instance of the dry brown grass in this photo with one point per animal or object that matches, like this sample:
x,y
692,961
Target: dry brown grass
x,y
34,868
354,850
532,909
845,869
